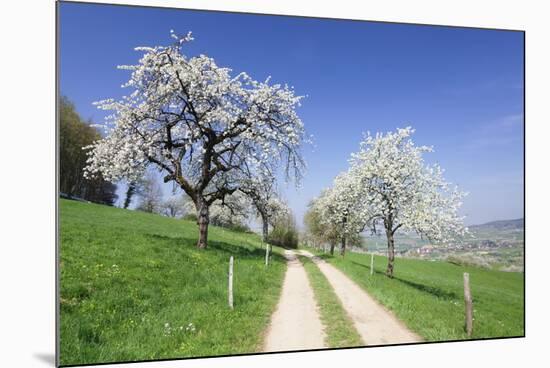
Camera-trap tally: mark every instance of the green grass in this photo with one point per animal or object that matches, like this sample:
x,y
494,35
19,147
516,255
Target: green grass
x,y
339,328
428,295
125,275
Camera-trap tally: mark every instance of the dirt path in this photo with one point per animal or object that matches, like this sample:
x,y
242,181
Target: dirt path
x,y
375,324
295,325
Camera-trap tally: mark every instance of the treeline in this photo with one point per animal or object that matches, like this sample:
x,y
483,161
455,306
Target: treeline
x,y
74,135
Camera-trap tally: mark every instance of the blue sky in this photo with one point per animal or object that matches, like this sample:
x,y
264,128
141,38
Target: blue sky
x,y
461,89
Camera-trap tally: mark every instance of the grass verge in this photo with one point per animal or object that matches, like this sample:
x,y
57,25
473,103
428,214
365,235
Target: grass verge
x,y
339,328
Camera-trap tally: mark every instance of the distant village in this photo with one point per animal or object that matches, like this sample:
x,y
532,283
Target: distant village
x,y
484,244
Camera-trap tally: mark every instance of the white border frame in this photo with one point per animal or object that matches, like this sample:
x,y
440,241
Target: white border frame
x,y
28,259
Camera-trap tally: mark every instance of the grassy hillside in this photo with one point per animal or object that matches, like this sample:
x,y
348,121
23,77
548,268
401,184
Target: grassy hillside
x,y
134,287
428,295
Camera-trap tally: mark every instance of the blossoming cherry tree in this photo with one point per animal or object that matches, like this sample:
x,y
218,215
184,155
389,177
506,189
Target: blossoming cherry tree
x,y
401,192
199,125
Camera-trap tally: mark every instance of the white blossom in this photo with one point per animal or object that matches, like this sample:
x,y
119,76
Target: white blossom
x,y
389,187
198,124
402,192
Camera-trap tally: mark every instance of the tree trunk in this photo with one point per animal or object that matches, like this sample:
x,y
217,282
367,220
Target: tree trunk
x,y
129,194
202,220
391,253
265,228
332,249
343,247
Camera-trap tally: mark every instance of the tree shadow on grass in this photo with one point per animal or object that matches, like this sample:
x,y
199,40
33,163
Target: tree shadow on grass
x,y
324,257
442,294
437,292
174,241
244,251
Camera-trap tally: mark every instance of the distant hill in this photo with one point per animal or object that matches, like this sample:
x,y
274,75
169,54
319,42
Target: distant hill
x,y
500,225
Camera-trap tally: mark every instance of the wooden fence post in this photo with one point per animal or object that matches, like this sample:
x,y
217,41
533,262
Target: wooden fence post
x,y
230,291
468,305
372,264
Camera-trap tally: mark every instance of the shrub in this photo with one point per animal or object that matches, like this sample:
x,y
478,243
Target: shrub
x,y
468,260
190,217
241,228
283,236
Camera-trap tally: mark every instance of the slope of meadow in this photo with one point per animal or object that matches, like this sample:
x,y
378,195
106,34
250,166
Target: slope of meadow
x,y
134,287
